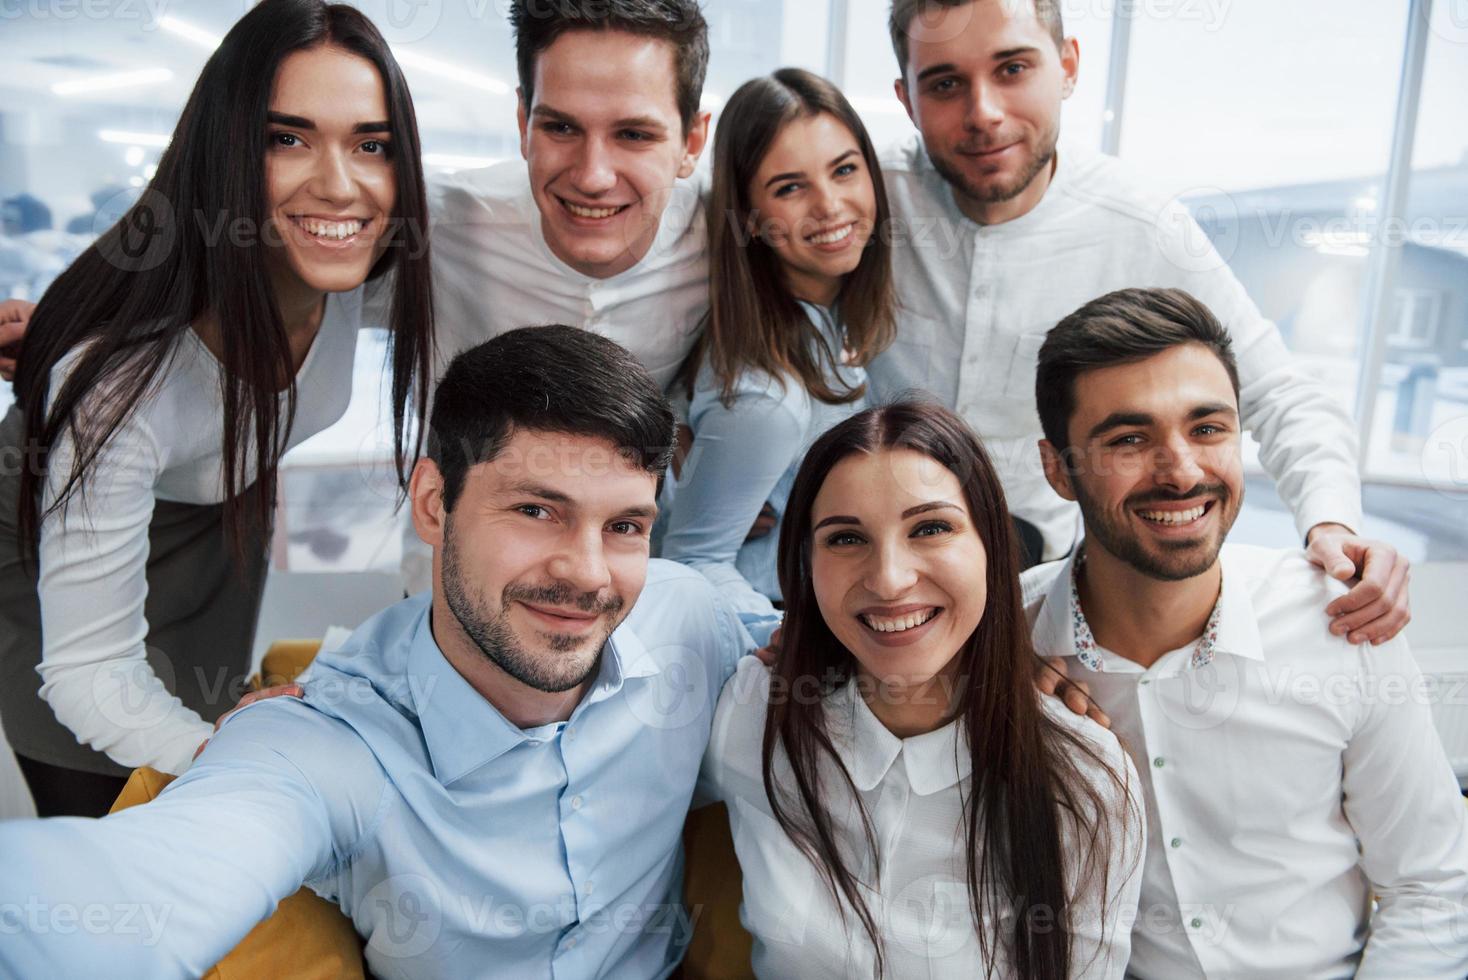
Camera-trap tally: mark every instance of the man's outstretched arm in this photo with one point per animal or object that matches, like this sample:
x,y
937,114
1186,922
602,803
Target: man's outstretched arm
x,y
167,889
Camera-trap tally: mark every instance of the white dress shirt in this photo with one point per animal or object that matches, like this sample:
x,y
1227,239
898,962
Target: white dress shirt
x,y
94,552
493,272
912,789
1289,776
976,302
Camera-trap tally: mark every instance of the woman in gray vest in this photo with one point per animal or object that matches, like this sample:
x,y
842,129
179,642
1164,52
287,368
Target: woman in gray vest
x,y
167,370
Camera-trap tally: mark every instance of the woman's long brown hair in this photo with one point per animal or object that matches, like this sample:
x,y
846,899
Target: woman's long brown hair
x,y
753,322
125,301
1027,776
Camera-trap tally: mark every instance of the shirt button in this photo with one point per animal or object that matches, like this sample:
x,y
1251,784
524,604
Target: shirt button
x,y
575,802
571,943
1196,923
1144,682
590,887
1177,842
1159,762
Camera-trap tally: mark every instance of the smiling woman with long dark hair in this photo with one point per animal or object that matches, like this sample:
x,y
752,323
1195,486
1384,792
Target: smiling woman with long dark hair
x,y
903,800
166,371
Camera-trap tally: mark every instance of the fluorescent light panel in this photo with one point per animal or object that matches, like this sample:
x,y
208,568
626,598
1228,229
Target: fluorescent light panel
x,y
99,83
443,69
158,140
189,32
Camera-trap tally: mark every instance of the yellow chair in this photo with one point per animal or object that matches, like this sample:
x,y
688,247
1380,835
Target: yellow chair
x,y
308,938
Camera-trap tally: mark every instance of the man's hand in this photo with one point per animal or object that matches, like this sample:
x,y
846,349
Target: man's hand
x,y
769,654
15,315
763,524
1378,606
1053,678
288,690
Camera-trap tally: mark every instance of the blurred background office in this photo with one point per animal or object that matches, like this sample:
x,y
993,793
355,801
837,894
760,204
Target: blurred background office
x,y
1321,144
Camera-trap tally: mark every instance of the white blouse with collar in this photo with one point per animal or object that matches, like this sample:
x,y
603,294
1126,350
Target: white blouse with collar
x,y
913,792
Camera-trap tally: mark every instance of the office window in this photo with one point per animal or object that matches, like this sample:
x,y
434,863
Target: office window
x,y
1415,314
72,161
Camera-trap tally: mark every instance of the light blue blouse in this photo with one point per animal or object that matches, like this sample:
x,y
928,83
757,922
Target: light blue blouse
x,y
743,455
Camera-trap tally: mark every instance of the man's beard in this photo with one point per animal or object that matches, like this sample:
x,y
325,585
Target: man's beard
x,y
1174,561
997,193
496,640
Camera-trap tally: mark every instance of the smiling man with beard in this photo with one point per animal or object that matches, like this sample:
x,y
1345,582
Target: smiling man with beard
x,y
490,778
1001,227
1289,774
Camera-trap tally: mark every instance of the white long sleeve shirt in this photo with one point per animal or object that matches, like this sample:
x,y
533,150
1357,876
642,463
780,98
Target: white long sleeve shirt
x,y
94,667
975,302
1287,780
493,272
913,791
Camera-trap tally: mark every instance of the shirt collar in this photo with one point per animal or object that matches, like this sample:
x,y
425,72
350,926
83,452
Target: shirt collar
x,y
464,732
935,761
1061,628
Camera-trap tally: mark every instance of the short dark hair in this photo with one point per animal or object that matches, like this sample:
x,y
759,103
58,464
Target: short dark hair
x,y
537,24
545,379
1123,327
903,12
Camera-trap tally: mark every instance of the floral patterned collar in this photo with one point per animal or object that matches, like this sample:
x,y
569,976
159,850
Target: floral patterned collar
x,y
1085,644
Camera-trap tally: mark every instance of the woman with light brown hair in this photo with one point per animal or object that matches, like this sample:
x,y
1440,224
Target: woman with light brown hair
x,y
800,301
904,802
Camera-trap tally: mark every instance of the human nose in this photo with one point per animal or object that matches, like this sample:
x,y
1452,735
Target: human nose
x,y
1178,465
986,109
581,562
891,573
594,172
332,180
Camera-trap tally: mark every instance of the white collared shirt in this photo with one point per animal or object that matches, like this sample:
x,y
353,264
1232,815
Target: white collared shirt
x,y
976,301
912,790
1287,780
494,272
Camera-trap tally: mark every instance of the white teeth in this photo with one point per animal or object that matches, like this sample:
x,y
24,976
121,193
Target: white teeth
x,y
336,230
1172,516
830,238
901,623
581,212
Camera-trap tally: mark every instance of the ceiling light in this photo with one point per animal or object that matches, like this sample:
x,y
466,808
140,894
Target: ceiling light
x,y
189,32
455,162
158,140
99,83
433,66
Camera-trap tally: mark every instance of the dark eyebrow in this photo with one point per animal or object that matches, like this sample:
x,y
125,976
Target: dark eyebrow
x,y
631,122
925,508
797,174
1118,419
1008,53
947,66
1215,408
536,490
640,511
301,122
836,519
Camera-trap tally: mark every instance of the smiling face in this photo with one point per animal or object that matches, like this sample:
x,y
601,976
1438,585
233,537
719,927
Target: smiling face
x,y
543,555
814,204
1158,471
897,567
604,143
984,85
329,174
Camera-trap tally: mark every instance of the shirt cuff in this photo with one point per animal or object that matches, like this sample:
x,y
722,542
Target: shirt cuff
x,y
1328,507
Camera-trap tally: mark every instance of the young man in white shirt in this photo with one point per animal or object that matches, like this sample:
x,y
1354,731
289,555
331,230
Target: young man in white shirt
x,y
997,236
600,226
1290,775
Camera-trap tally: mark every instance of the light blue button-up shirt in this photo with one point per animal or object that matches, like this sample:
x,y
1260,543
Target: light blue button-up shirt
x,y
744,454
458,844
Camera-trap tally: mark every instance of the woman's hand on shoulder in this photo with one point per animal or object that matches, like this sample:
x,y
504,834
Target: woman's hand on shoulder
x,y
15,316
